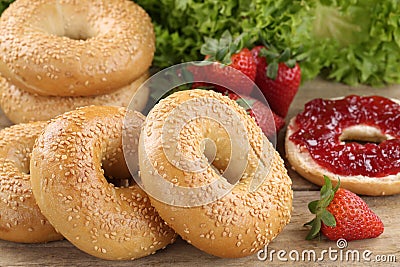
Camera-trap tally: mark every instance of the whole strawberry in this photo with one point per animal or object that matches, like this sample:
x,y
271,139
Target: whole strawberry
x,y
342,214
278,77
269,122
235,61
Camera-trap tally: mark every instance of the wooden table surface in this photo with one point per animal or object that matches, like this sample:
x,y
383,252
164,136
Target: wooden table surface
x,y
291,240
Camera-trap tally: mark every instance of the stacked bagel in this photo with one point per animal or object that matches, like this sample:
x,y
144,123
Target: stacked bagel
x,y
71,176
57,56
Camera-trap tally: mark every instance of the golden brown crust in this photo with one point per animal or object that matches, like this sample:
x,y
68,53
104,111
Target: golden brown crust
x,y
20,217
242,221
70,188
21,106
75,48
301,161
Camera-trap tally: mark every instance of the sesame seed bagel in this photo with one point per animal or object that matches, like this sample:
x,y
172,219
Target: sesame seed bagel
x,y
68,168
75,48
21,106
20,217
368,133
232,207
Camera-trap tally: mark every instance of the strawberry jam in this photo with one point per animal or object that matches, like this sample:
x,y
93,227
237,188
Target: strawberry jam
x,y
322,122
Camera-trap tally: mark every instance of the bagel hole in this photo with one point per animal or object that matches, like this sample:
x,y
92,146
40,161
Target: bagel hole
x,y
78,37
117,173
77,33
362,142
362,135
24,166
217,164
116,179
209,150
76,29
25,162
120,182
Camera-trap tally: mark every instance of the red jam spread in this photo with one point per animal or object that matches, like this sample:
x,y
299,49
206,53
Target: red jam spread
x,y
323,121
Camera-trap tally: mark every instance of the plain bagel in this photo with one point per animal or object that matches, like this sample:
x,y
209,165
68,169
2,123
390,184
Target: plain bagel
x,y
75,48
68,167
20,217
302,161
189,193
21,106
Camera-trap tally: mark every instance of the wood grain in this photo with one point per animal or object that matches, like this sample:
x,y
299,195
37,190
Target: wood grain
x,y
62,253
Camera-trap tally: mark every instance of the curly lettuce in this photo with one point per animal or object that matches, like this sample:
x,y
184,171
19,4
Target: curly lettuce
x,y
351,41
356,41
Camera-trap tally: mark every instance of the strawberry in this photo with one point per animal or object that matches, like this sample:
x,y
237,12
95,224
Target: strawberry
x,y
244,62
269,122
342,214
229,53
278,77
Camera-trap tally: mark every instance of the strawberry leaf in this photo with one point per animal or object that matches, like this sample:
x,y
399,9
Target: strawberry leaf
x,y
319,208
337,185
227,60
312,206
310,223
221,50
209,47
233,47
285,55
291,63
316,227
273,58
327,180
326,189
221,54
226,39
239,42
268,54
328,219
272,70
187,75
245,103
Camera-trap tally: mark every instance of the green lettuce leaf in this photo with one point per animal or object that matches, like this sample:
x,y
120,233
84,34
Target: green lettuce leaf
x,y
351,41
356,41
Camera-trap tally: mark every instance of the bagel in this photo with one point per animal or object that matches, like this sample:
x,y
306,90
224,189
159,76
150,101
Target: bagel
x,y
21,106
230,208
75,48
20,217
316,144
70,187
